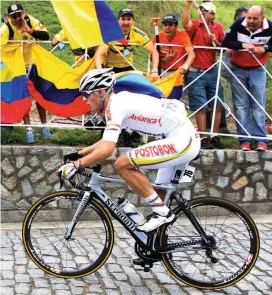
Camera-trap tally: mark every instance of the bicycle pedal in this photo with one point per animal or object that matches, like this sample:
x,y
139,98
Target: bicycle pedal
x,y
147,265
146,269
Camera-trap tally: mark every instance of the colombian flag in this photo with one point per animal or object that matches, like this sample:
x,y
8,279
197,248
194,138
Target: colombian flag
x,y
15,98
136,82
54,84
87,23
171,86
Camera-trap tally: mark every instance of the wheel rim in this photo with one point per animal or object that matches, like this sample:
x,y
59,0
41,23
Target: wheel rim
x,y
235,256
79,255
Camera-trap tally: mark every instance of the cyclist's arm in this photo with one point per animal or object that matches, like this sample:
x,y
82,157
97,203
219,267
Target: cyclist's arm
x,y
89,149
103,149
101,152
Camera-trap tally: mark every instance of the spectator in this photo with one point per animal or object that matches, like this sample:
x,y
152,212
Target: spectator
x,y
170,54
240,12
253,33
78,52
116,61
20,26
204,88
132,35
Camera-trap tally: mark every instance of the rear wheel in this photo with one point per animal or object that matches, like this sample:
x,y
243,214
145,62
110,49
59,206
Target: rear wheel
x,y
234,243
44,230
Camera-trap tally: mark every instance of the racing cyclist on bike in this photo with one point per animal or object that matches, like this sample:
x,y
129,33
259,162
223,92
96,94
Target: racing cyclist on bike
x,y
149,116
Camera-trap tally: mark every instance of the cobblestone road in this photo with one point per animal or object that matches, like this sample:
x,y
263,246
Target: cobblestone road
x,y
118,276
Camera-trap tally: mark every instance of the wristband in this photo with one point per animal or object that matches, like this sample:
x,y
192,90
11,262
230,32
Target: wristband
x,y
30,32
154,71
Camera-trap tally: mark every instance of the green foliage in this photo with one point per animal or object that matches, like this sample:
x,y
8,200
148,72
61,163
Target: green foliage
x,y
229,142
67,137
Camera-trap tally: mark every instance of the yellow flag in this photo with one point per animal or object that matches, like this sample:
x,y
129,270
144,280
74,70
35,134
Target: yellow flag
x,y
87,23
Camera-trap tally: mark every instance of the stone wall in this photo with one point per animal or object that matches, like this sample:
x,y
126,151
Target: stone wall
x,y
29,173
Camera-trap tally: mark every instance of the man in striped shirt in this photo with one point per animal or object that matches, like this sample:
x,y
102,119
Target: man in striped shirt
x,y
254,34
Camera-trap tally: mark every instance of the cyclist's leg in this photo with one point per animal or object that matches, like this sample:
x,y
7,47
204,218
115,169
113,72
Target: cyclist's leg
x,y
163,153
141,184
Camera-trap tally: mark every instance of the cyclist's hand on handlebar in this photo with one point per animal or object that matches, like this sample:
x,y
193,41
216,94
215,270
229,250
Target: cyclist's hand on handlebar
x,y
67,171
71,157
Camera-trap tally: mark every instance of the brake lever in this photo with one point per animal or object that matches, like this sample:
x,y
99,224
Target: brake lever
x,y
60,178
61,181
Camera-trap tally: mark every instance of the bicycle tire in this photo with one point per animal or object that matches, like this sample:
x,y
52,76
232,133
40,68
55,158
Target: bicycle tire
x,y
43,233
187,266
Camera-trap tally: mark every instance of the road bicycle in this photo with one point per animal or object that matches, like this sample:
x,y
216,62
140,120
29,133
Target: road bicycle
x,y
211,244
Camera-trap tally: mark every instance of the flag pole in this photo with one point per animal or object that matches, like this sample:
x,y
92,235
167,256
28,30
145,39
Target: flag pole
x,y
155,21
204,21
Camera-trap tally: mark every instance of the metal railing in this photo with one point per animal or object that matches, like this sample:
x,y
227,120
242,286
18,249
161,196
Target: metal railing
x,y
215,98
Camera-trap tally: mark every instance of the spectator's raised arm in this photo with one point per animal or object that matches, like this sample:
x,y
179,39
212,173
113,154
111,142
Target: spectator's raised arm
x,y
186,20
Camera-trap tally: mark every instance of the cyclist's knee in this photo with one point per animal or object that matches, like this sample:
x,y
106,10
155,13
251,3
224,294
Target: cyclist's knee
x,y
122,163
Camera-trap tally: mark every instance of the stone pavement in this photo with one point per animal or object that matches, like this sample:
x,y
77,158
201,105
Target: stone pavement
x,y
118,276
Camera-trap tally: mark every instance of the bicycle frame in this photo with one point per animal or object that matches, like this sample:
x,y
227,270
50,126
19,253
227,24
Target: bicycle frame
x,y
146,239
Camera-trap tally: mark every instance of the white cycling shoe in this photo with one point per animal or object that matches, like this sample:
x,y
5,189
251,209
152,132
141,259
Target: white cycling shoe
x,y
156,221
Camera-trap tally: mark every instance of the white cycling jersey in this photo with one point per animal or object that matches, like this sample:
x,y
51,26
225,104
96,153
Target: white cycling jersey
x,y
142,113
152,116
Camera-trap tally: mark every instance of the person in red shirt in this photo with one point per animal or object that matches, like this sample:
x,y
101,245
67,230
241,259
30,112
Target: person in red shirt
x,y
204,88
170,55
254,34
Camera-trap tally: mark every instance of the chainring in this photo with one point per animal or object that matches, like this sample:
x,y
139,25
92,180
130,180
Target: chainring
x,y
149,255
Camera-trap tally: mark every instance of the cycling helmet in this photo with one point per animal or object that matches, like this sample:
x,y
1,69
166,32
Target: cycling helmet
x,y
96,80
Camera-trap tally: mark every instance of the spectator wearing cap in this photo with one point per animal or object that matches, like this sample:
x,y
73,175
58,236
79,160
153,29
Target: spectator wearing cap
x,y
78,52
170,55
113,59
204,88
20,26
131,35
254,34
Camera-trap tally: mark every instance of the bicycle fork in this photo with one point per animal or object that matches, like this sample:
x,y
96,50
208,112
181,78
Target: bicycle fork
x,y
81,207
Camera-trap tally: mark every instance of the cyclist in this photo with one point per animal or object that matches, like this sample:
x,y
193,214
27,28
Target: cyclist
x,y
147,115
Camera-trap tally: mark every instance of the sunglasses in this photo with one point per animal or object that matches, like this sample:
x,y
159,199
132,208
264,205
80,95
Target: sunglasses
x,y
16,15
86,93
203,10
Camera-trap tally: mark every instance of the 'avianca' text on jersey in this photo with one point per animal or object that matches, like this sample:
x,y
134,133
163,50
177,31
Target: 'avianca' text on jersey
x,y
142,113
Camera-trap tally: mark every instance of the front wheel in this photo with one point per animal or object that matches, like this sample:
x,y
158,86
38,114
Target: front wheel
x,y
234,246
44,230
